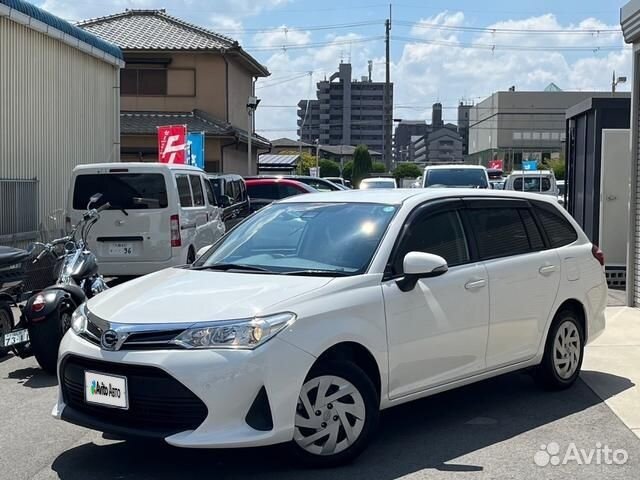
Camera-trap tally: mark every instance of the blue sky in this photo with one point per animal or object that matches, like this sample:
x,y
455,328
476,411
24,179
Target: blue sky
x,y
439,53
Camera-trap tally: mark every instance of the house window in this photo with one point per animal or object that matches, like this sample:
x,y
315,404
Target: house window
x,y
134,81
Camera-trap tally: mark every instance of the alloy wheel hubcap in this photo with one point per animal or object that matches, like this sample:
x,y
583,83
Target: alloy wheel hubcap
x,y
566,350
330,415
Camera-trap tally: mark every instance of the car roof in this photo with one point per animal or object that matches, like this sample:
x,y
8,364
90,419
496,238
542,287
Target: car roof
x,y
134,165
229,176
399,196
456,166
285,181
379,179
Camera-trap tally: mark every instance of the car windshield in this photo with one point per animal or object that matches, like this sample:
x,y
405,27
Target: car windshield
x,y
456,177
376,184
532,184
313,238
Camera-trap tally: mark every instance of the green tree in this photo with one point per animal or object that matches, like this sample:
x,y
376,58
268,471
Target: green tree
x,y
362,165
306,161
347,170
329,168
406,170
557,166
379,167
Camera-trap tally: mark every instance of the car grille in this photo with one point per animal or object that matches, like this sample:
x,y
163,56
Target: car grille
x,y
158,403
143,340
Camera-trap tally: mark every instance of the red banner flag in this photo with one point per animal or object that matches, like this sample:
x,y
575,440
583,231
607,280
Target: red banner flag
x,y
172,144
497,164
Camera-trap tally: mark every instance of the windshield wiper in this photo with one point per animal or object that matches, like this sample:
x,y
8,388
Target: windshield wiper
x,y
317,273
231,266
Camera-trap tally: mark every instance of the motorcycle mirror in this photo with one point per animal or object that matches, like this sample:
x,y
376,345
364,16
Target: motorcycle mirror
x,y
94,198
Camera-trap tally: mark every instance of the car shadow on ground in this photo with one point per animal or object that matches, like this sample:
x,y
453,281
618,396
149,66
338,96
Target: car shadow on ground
x,y
426,434
33,377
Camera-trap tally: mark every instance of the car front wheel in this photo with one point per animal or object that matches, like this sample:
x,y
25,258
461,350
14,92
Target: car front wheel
x,y
337,413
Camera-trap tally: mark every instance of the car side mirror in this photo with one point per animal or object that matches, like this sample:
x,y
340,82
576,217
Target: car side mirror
x,y
417,265
202,251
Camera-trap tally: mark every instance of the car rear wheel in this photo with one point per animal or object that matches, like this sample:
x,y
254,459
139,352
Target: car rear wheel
x,y
336,415
563,353
6,325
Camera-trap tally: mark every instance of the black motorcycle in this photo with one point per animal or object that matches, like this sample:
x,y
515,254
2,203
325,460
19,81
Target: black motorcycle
x,y
48,313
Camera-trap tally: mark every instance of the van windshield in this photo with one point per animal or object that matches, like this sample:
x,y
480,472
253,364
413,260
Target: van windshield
x,y
128,191
456,177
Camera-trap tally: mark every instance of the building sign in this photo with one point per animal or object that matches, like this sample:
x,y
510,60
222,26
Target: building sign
x,y
195,149
172,144
529,165
497,164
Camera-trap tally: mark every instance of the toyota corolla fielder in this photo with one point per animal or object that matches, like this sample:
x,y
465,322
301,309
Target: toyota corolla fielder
x,y
317,312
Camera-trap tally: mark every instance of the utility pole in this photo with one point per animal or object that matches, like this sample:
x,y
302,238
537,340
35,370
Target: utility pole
x,y
388,112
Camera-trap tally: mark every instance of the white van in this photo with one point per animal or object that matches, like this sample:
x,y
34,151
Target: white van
x,y
533,181
455,176
160,214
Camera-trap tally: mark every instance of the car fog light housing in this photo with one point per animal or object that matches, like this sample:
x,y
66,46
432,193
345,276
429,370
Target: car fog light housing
x,y
235,334
79,320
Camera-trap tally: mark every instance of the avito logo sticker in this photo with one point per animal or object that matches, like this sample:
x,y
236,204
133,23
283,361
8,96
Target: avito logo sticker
x,y
105,389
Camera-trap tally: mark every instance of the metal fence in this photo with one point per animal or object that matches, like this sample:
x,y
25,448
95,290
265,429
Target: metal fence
x,y
20,222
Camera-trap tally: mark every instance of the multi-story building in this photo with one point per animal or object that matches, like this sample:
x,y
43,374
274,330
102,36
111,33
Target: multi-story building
x,y
406,130
463,125
179,73
512,126
440,146
346,112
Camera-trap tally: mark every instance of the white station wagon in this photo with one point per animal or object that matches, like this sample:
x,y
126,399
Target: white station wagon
x,y
320,310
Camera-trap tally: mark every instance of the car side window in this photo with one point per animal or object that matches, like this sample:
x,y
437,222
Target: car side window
x,y
287,190
196,188
211,197
228,189
265,191
440,234
184,191
501,232
243,191
535,238
559,231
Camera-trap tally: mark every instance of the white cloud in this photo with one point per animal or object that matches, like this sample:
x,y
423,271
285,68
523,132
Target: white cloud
x,y
281,37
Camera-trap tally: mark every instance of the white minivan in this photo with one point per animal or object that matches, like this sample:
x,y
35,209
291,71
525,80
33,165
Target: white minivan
x,y
160,214
533,181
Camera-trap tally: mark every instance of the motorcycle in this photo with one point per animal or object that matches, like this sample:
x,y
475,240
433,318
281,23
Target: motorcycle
x,y
48,313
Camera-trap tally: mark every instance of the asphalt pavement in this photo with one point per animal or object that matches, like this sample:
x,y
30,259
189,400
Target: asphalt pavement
x,y
492,429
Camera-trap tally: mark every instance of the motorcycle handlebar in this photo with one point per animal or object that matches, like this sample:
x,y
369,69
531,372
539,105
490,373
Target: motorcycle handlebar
x,y
103,207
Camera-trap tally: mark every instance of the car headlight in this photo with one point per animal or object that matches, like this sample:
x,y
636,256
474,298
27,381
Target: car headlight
x,y
237,334
79,320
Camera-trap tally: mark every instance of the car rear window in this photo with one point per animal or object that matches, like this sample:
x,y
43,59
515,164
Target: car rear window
x,y
456,177
266,190
532,184
559,231
501,232
129,191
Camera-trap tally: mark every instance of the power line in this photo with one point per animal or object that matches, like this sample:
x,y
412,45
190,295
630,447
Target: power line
x,y
517,31
306,46
313,28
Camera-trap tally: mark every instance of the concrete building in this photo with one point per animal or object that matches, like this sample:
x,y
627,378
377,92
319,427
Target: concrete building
x,y
59,108
463,126
179,73
630,21
402,138
346,112
440,146
512,126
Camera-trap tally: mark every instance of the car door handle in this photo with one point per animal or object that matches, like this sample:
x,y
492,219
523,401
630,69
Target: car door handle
x,y
475,284
547,269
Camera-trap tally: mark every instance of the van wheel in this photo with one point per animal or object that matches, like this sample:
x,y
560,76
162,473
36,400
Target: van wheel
x,y
336,415
563,352
191,256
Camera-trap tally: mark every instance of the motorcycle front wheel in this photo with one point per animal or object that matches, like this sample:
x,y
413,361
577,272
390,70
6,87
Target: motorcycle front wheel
x,y
46,335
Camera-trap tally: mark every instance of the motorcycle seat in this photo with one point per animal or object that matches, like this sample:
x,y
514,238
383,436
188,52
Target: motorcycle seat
x,y
12,256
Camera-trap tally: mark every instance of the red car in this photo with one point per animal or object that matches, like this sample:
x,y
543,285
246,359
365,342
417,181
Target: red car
x,y
263,191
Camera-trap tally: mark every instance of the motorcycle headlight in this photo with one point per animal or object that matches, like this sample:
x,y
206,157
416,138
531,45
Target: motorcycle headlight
x,y
79,320
237,334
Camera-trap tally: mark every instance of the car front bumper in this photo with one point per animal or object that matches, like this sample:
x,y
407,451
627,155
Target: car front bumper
x,y
226,381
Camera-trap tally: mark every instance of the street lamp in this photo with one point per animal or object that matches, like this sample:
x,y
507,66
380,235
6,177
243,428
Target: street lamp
x,y
252,104
615,82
